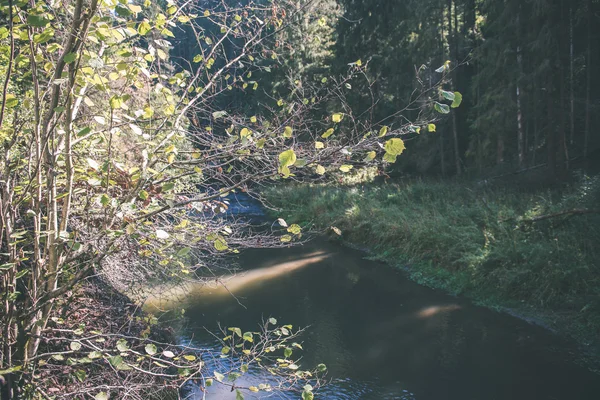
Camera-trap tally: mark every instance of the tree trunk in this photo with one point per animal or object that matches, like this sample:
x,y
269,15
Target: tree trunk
x,y
550,134
520,135
588,85
453,56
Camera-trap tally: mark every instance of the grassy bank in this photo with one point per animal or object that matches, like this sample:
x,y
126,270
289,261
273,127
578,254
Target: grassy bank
x,y
501,247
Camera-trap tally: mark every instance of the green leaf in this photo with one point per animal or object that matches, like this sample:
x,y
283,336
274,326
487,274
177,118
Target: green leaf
x,y
208,382
143,194
184,252
287,132
248,337
122,11
431,128
105,200
295,229
75,346
457,100
286,239
122,345
287,352
337,117
370,156
307,395
168,186
69,58
346,168
218,376
319,145
43,37
80,375
320,170
287,158
219,114
272,321
11,100
37,21
118,363
383,131
238,395
245,132
101,396
144,27
441,108
116,102
327,133
237,331
220,244
448,95
391,158
321,368
151,349
84,131
394,146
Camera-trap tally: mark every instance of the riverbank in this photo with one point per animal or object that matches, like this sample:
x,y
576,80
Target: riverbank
x,y
505,249
84,330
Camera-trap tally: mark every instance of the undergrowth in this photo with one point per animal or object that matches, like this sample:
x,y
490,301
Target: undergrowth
x,y
473,240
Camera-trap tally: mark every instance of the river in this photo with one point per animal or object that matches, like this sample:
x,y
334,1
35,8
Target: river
x,y
381,335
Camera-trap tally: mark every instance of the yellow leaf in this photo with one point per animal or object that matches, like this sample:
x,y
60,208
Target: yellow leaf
x,y
327,133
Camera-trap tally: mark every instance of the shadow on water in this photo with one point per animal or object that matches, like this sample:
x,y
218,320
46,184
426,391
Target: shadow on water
x,y
383,336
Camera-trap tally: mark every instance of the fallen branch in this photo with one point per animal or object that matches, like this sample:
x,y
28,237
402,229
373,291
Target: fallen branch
x,y
579,211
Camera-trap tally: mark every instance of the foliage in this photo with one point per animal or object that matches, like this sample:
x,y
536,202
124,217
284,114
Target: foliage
x,y
111,147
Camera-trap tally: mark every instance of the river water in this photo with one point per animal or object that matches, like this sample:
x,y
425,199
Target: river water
x,y
381,335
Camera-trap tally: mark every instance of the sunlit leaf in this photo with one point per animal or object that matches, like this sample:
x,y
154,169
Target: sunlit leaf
x,y
457,100
394,146
328,133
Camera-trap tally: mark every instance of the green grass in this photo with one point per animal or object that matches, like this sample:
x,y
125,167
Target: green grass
x,y
473,241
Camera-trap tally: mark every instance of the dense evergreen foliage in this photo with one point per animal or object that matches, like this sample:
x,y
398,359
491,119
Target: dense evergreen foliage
x,y
525,68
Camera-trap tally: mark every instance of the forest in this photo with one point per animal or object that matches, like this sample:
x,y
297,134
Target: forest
x,y
454,140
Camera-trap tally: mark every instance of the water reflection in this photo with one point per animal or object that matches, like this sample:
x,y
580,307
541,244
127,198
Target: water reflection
x,y
225,287
384,337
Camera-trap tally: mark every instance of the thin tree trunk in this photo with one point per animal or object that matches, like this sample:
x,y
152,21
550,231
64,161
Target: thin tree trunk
x,y
520,135
588,86
441,134
550,134
452,55
571,76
